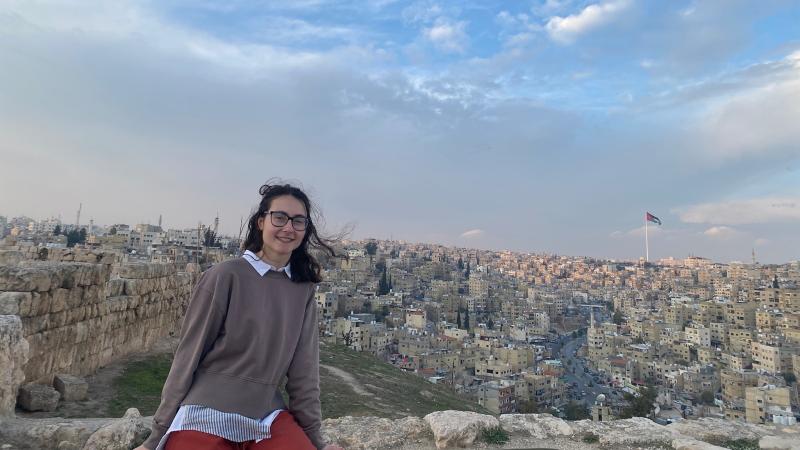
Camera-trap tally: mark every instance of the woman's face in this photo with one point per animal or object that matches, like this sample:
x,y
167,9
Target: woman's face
x,y
279,242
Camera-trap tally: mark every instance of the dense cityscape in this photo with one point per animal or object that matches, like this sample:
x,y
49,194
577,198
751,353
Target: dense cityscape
x,y
517,332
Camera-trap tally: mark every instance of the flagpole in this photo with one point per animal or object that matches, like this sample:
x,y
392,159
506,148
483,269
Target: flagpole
x,y
646,243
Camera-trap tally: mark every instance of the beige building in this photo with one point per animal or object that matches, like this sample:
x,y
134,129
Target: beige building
x,y
762,404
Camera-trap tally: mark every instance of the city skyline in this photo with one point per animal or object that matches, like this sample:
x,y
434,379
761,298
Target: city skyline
x,y
546,126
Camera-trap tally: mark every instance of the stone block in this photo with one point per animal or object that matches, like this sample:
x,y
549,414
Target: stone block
x,y
71,388
115,287
16,278
10,302
458,428
14,352
38,397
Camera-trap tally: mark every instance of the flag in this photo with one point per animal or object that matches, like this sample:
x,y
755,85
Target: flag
x,y
652,218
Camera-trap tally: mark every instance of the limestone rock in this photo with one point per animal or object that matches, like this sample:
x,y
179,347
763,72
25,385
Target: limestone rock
x,y
13,356
458,428
71,388
687,443
539,426
715,430
637,431
122,434
364,433
38,397
779,443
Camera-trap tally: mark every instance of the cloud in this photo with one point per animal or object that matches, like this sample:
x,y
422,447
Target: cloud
x,y
447,35
566,30
721,232
761,241
472,233
740,212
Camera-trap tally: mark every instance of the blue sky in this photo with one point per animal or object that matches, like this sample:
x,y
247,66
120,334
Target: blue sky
x,y
546,126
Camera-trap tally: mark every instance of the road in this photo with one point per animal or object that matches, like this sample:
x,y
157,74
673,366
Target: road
x,y
574,372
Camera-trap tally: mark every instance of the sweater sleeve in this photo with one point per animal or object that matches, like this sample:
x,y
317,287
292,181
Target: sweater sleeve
x,y
204,317
303,377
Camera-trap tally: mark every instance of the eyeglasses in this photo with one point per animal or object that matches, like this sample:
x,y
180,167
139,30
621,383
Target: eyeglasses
x,y
280,218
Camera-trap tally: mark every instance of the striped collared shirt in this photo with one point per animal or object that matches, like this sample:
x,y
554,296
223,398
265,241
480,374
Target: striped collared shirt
x,y
233,427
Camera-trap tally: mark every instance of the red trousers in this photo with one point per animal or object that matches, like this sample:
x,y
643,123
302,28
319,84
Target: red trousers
x,y
285,434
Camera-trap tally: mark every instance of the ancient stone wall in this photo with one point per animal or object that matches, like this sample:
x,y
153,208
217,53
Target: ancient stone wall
x,y
79,316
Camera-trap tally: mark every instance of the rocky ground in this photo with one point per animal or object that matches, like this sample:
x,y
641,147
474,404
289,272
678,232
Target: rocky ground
x,y
443,429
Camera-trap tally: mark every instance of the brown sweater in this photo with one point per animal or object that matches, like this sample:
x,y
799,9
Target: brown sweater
x,y
241,335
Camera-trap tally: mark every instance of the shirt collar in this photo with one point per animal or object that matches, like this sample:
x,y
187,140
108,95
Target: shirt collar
x,y
263,267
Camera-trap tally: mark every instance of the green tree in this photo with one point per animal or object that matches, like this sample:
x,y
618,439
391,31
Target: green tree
x,y
466,320
112,231
789,377
210,238
527,407
707,397
617,318
490,324
466,271
641,405
575,411
57,230
371,247
458,319
383,284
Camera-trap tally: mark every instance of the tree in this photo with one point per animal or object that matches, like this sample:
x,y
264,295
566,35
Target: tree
x,y
707,397
371,247
458,319
641,405
76,237
789,377
466,271
490,324
617,318
527,407
466,320
575,411
57,230
460,264
112,231
383,284
210,238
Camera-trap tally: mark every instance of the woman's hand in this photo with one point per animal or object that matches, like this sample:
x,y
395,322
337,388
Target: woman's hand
x,y
327,447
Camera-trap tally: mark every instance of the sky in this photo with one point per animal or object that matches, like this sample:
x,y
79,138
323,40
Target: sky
x,y
536,126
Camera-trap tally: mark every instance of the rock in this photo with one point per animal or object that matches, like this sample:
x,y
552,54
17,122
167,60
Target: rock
x,y
357,433
637,431
779,443
688,443
14,352
38,397
715,430
71,388
122,434
458,428
10,302
539,426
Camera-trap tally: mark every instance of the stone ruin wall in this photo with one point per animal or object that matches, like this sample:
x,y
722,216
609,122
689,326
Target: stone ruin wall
x,y
79,316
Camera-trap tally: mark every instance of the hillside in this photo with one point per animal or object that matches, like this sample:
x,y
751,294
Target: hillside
x,y
352,384
356,384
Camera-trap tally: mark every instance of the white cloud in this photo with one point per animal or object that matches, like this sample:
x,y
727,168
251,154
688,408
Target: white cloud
x,y
721,232
448,36
739,212
565,30
472,233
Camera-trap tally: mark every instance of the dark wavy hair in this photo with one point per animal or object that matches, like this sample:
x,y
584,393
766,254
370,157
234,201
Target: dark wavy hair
x,y
304,266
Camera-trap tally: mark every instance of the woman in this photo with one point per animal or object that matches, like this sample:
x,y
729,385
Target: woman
x,y
251,321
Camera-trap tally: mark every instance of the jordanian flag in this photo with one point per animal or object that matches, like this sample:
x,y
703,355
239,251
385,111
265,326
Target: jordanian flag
x,y
652,218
